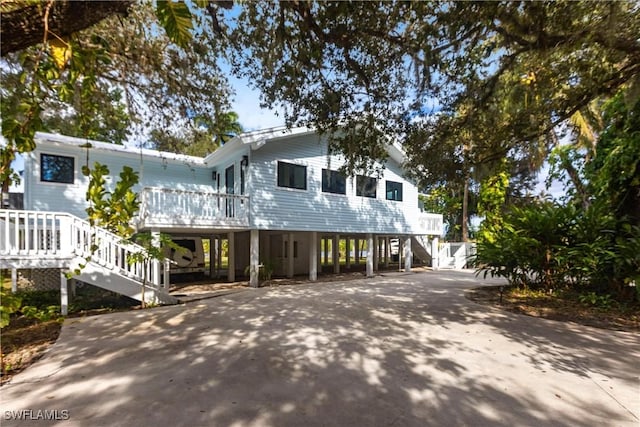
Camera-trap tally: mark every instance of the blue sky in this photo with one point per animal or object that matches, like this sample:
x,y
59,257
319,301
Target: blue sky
x,y
246,103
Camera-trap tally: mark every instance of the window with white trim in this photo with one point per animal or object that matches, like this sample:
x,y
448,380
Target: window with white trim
x,y
366,186
54,168
394,191
333,182
292,176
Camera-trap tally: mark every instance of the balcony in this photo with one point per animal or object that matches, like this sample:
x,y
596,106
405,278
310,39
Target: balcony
x,y
167,208
430,224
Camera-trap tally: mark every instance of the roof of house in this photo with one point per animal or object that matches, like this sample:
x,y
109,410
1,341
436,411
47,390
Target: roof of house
x,y
62,140
255,139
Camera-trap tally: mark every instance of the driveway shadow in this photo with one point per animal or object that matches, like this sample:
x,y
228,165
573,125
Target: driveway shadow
x,y
403,350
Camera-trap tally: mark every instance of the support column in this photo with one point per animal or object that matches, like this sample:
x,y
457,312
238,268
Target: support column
x,y
254,258
218,255
166,280
408,254
64,294
313,256
326,251
435,254
212,255
14,280
357,251
319,251
335,251
231,256
387,251
369,255
71,285
376,253
157,269
347,246
290,260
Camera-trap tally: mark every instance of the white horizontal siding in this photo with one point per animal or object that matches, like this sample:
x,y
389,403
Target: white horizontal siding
x,y
153,172
278,208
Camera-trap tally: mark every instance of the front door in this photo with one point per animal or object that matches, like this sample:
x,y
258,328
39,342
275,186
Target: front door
x,y
229,175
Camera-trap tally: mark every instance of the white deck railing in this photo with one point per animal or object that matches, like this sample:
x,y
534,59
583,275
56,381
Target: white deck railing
x,y
430,223
38,236
166,206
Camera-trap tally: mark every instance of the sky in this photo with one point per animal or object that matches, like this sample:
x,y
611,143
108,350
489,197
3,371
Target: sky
x,y
246,103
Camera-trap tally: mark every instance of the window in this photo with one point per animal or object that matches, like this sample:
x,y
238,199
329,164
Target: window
x,y
292,176
57,168
366,186
394,191
333,182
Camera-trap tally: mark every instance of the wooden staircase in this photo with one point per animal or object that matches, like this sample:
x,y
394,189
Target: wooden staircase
x,y
41,239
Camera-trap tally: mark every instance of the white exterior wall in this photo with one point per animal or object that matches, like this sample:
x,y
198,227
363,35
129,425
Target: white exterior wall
x,y
278,208
153,172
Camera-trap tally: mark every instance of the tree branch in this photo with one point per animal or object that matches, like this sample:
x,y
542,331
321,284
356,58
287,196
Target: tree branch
x,y
25,27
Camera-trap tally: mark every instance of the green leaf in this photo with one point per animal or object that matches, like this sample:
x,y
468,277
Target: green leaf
x,y
176,19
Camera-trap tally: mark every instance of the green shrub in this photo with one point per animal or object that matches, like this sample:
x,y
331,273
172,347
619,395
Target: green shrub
x,y
9,303
42,314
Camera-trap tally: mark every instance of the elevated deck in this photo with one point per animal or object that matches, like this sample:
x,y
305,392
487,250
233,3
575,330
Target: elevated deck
x,y
168,209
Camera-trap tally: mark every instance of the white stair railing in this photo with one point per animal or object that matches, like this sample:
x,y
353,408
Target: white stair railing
x,y
39,234
33,233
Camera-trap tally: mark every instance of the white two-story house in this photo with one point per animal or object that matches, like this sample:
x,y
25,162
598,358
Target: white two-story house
x,y
275,195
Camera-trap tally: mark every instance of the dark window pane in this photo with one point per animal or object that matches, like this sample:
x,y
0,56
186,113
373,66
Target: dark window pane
x,y
292,176
56,168
394,191
333,182
366,186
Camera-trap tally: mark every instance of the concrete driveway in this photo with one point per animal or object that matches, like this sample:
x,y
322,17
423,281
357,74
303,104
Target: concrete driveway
x,y
396,350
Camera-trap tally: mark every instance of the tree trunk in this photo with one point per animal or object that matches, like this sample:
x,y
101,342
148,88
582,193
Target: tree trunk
x,y
25,26
465,211
574,176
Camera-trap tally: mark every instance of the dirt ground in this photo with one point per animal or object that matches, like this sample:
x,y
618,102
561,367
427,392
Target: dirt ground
x,y
565,308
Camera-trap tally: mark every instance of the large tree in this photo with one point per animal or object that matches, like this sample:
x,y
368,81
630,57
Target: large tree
x,y
505,72
111,79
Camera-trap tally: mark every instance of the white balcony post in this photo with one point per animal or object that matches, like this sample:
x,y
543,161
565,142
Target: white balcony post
x,y
254,260
408,255
369,255
290,259
231,256
313,256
